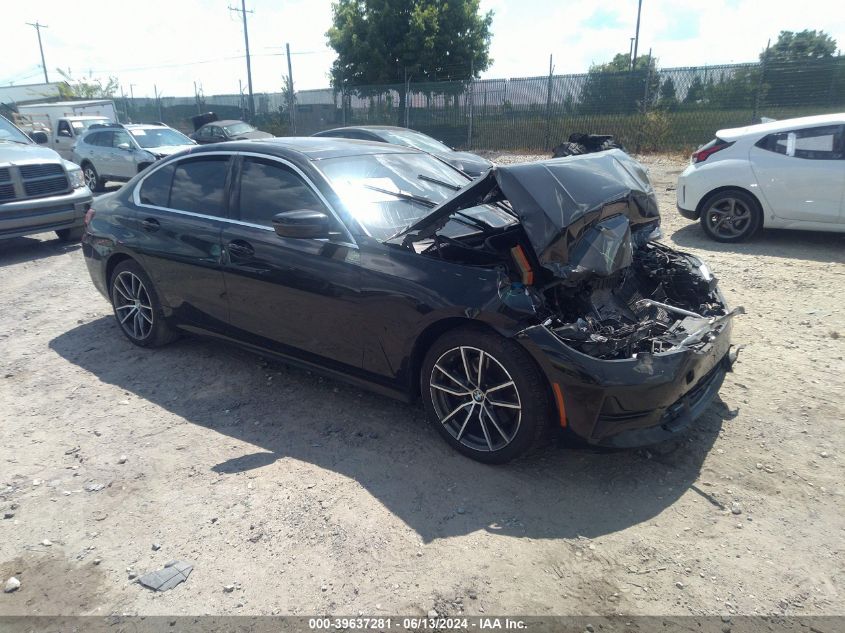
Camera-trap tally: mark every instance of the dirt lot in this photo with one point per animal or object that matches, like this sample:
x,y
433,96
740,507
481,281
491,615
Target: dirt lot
x,y
310,496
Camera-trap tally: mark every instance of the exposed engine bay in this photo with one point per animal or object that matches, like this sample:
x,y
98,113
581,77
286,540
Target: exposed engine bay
x,y
586,269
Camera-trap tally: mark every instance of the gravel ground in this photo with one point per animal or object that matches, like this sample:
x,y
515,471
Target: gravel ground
x,y
304,495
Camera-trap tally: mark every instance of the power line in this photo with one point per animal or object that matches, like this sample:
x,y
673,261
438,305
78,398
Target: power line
x,y
38,28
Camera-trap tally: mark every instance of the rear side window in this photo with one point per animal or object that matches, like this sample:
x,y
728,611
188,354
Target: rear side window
x,y
268,188
156,187
199,186
818,143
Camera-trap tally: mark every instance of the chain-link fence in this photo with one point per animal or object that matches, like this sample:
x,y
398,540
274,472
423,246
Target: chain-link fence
x,y
671,109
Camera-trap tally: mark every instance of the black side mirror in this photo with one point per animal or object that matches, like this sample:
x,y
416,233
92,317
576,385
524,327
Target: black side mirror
x,y
40,137
302,223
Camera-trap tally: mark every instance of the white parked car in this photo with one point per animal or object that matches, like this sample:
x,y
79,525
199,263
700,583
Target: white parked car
x,y
783,175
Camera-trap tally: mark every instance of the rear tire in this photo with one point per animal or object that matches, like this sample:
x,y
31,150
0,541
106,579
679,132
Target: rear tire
x,y
70,235
92,178
137,308
730,216
497,418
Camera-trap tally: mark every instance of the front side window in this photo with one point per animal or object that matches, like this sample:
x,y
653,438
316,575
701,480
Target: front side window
x,y
818,143
64,129
100,139
268,188
199,186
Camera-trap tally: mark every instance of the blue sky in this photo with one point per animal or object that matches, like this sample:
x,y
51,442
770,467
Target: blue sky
x,y
172,43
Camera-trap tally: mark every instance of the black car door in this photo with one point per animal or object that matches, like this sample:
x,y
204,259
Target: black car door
x,y
297,295
182,207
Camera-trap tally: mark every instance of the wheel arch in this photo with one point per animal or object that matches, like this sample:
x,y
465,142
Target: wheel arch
x,y
437,329
113,262
427,338
706,197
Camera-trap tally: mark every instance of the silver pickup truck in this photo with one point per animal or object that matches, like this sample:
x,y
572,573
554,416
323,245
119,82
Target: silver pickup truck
x,y
39,190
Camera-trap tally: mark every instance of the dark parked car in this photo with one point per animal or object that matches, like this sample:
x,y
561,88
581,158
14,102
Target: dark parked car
x,y
467,162
523,300
220,131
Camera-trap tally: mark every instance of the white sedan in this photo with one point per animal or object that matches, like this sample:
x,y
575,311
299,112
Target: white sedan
x,y
783,175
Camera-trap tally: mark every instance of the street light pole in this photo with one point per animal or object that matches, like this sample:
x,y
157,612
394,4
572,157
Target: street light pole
x,y
637,36
38,28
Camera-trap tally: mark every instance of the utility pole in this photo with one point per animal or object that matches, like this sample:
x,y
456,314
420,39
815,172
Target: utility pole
x,y
197,98
291,97
243,13
38,28
637,36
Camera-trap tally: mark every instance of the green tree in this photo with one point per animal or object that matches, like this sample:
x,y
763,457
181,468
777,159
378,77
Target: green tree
x,y
614,87
800,68
380,42
668,99
801,47
86,87
695,92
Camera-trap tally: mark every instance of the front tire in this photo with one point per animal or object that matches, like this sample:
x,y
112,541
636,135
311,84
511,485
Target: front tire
x,y
730,216
485,395
137,308
92,178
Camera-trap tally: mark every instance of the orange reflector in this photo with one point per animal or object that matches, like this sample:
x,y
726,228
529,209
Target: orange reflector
x,y
522,263
561,410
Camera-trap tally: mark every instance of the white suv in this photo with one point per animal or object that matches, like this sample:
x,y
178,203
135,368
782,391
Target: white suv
x,y
118,152
784,174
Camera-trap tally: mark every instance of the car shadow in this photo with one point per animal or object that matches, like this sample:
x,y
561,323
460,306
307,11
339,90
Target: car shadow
x,y
387,446
808,245
27,249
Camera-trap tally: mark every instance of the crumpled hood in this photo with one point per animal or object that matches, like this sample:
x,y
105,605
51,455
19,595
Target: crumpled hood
x,y
568,207
17,153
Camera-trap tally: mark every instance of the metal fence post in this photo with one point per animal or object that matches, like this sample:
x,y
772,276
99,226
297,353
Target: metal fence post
x,y
763,65
549,106
471,93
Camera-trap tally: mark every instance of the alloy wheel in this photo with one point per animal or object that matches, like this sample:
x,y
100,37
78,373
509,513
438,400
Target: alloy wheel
x,y
90,177
132,305
475,398
729,217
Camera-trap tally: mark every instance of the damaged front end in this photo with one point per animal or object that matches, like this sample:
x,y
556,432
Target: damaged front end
x,y
634,333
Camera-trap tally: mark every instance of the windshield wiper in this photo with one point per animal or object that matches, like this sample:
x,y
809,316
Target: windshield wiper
x,y
448,185
403,196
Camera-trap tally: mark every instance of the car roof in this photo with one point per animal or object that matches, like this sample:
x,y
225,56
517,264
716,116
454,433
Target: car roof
x,y
371,128
734,133
144,126
310,147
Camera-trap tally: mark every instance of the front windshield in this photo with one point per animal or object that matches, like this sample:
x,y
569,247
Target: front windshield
x,y
159,137
417,140
9,132
378,190
238,128
80,126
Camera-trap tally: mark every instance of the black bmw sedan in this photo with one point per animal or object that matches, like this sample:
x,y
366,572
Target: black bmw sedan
x,y
528,299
